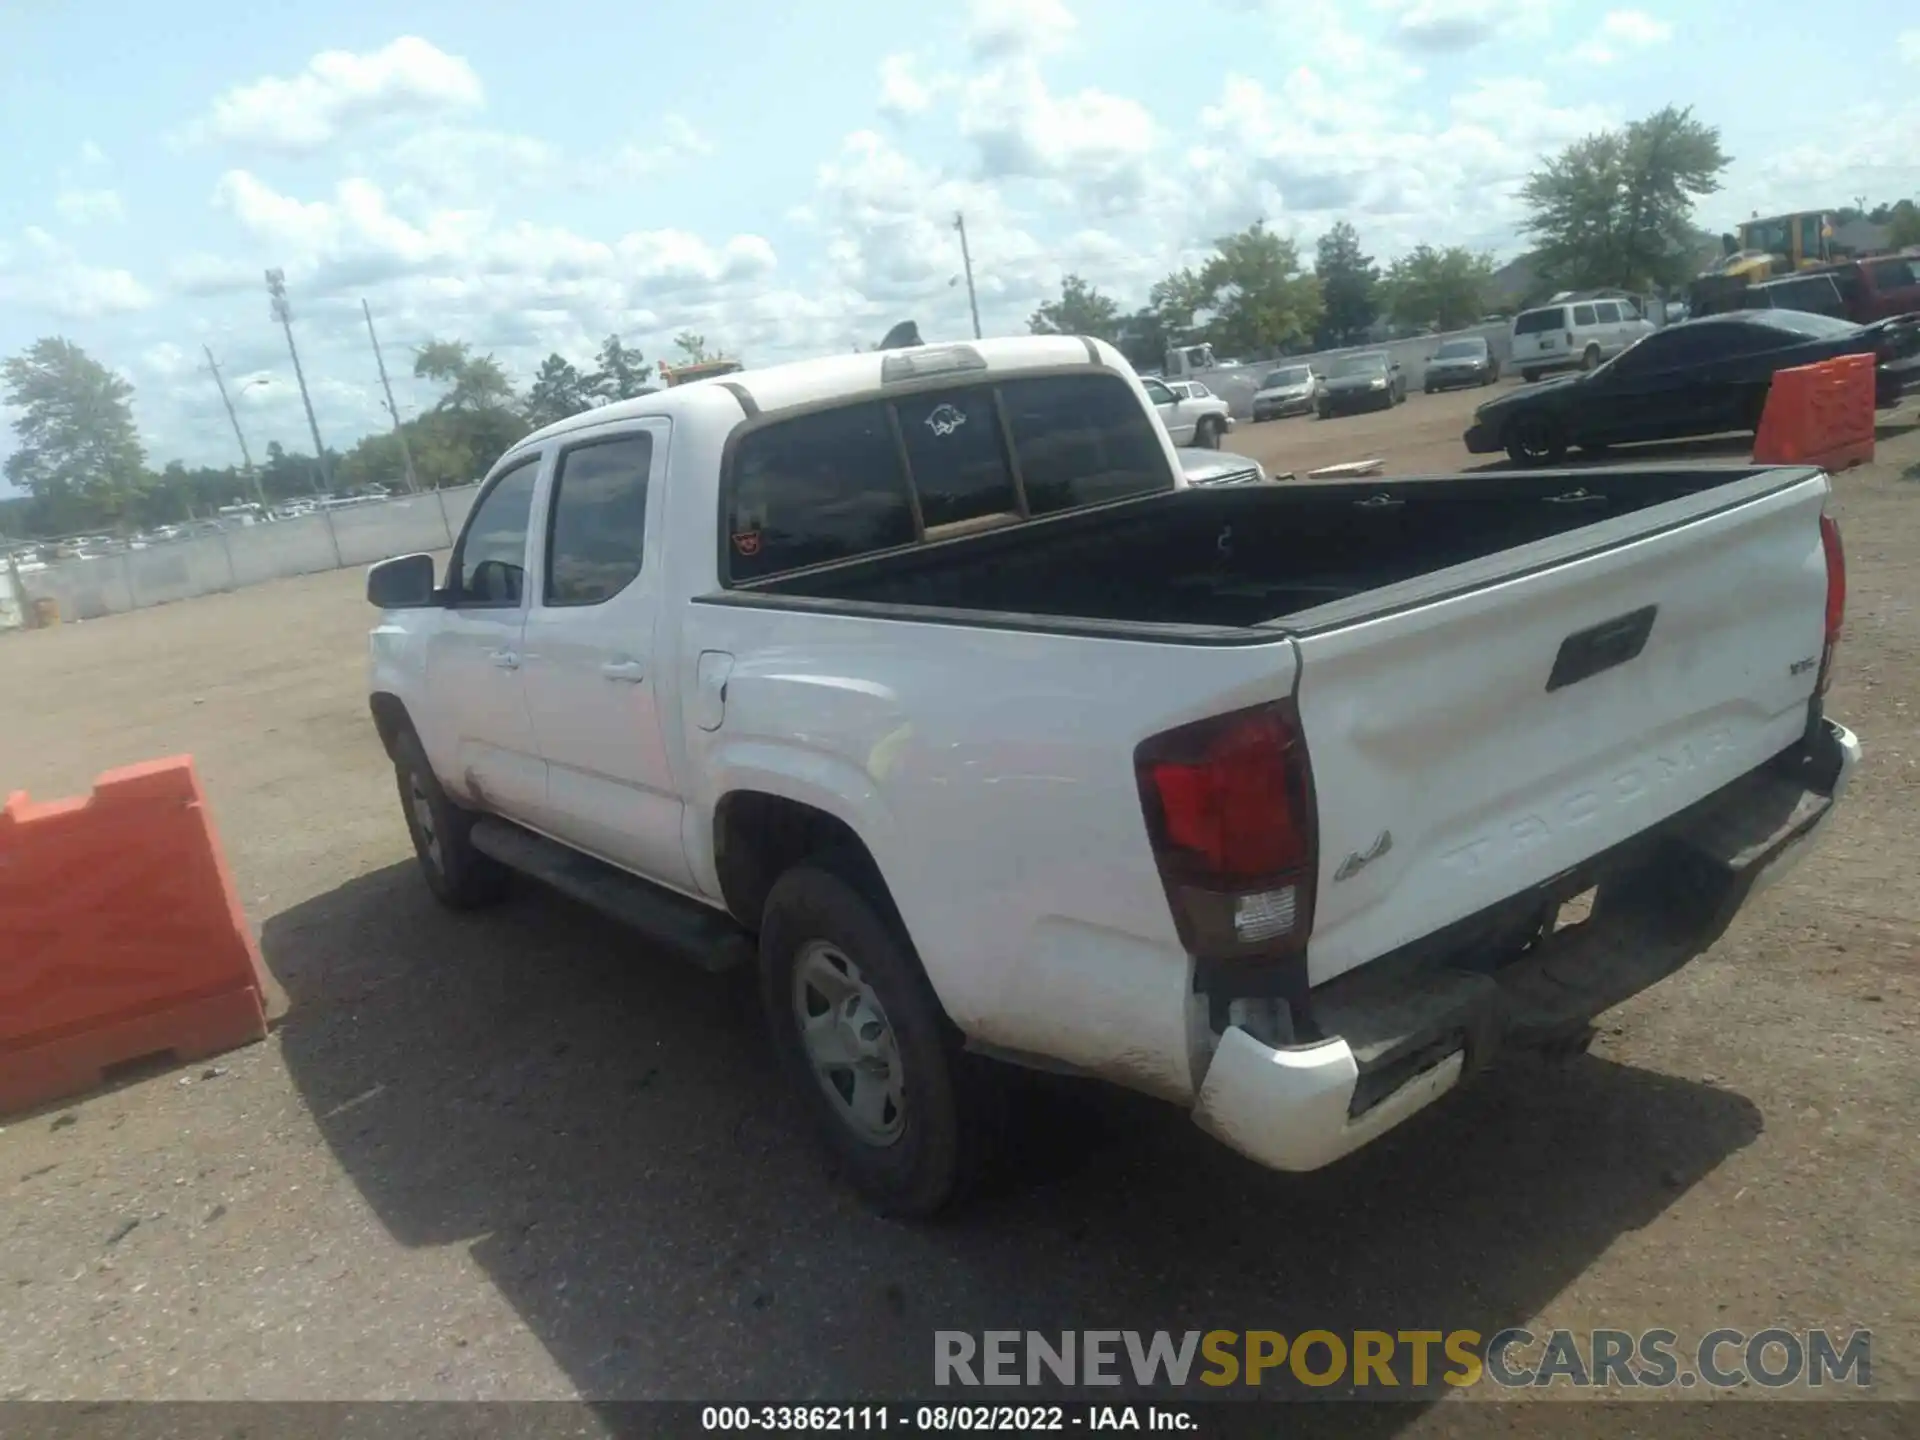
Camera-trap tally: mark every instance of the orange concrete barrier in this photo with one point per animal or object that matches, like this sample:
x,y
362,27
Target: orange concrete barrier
x,y
121,935
1819,415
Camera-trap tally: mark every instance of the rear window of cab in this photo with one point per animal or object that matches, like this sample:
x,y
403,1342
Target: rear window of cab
x,y
879,474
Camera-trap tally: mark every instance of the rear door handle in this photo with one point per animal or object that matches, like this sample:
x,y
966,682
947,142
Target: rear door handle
x,y
506,659
630,672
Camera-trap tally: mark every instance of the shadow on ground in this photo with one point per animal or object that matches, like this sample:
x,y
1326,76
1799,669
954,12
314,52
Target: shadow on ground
x,y
607,1134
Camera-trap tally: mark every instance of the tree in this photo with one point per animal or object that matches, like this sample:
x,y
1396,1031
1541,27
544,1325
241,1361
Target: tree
x,y
1904,221
1347,279
1447,288
620,372
78,449
1175,304
1616,208
474,382
1080,310
692,347
1260,298
558,390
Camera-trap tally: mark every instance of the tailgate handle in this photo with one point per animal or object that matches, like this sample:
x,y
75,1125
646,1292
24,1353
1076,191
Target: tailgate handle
x,y
1586,653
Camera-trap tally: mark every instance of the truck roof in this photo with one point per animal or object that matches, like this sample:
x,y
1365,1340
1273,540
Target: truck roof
x,y
809,382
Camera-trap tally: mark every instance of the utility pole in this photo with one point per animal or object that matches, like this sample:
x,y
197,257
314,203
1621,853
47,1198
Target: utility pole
x,y
966,259
399,431
246,455
283,312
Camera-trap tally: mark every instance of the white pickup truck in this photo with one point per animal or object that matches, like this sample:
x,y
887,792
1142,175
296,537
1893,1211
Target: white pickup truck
x,y
917,680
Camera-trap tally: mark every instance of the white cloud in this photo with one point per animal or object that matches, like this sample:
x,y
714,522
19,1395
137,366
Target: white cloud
x,y
52,279
89,207
1622,31
1004,29
903,92
1910,46
92,154
337,91
1451,26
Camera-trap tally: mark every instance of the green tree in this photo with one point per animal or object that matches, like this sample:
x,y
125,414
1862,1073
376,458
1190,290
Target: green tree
x,y
474,382
1904,219
1447,288
1080,310
1260,297
1347,280
692,347
1142,338
77,448
620,372
1616,208
558,390
1175,304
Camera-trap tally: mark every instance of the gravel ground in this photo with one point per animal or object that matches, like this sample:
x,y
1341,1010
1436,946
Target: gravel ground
x,y
512,1157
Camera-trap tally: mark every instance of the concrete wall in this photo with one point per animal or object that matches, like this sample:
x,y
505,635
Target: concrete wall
x,y
249,555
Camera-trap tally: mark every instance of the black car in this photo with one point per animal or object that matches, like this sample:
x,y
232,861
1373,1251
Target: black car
x,y
1370,380
1466,361
1700,377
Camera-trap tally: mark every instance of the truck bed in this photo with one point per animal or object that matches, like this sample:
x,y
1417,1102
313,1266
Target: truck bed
x,y
1296,552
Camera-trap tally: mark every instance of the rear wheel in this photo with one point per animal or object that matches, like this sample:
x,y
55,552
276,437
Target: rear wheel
x,y
459,876
1536,440
1590,358
866,1044
1530,376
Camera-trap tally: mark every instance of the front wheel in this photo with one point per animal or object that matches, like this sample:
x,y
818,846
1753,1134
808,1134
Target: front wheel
x,y
459,876
863,1039
1536,440
1207,434
1529,376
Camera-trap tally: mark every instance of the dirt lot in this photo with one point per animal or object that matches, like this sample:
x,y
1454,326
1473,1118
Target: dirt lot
x,y
510,1156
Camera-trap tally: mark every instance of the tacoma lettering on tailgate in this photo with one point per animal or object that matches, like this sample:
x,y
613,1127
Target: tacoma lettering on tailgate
x,y
1628,787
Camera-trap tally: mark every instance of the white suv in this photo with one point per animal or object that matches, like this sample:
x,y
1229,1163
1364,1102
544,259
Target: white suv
x,y
1576,333
1192,414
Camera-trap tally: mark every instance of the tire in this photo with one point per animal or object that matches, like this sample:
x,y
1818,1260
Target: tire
x,y
1429,389
1529,376
460,877
1590,358
1536,440
917,1143
1493,375
1206,434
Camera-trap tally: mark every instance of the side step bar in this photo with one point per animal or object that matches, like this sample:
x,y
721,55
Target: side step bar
x,y
688,929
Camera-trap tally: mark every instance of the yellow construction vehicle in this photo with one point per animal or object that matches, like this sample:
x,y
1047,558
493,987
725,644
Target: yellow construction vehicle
x,y
1760,249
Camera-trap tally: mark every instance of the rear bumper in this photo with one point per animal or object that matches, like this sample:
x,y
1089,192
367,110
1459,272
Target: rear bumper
x,y
1397,1040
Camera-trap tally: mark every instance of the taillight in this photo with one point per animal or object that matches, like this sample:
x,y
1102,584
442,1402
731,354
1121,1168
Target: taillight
x,y
1229,810
1836,557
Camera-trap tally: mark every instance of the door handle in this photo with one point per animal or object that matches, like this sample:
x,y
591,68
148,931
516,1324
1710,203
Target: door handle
x,y
505,659
630,672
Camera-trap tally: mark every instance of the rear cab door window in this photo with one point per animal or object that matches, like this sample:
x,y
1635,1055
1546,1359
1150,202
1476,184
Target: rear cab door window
x,y
880,475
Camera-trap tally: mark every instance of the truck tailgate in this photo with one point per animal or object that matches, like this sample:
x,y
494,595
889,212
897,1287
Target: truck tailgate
x,y
1488,734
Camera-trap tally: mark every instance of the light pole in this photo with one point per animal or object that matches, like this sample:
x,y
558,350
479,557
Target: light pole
x,y
283,312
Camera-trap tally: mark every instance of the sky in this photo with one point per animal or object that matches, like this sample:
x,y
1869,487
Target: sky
x,y
783,179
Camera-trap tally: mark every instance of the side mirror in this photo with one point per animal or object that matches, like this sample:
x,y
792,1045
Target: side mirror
x,y
403,583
